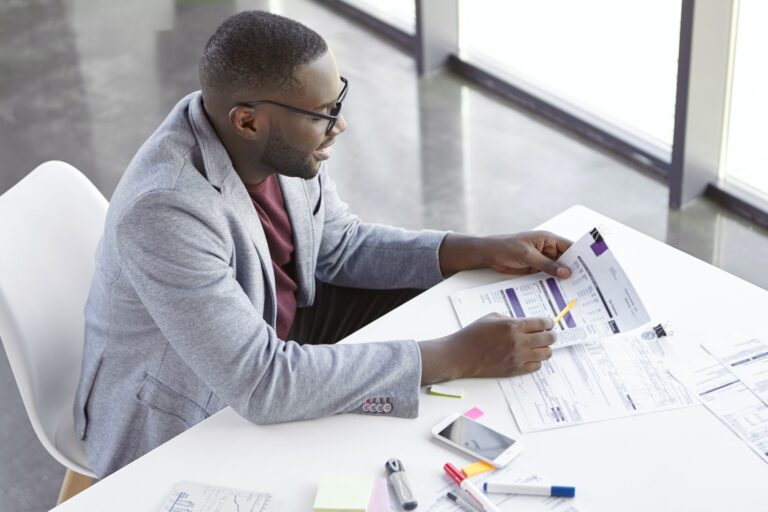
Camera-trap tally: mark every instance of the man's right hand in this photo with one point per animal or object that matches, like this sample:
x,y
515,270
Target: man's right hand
x,y
493,346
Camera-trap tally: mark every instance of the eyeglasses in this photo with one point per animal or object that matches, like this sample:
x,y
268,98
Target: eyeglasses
x,y
332,117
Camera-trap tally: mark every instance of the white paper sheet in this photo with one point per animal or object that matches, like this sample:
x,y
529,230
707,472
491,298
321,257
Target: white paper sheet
x,y
729,399
516,471
748,361
606,301
619,377
197,497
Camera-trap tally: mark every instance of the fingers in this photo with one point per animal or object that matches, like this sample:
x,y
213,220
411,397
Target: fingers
x,y
540,354
541,339
531,366
535,364
535,324
562,244
551,248
552,243
506,269
540,262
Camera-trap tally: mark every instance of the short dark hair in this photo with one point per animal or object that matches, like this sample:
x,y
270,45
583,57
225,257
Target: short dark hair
x,y
257,51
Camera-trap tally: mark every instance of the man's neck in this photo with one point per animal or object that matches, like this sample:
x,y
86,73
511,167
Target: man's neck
x,y
249,175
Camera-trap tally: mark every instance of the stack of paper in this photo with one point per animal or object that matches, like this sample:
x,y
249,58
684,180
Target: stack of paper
x,y
731,380
620,377
603,370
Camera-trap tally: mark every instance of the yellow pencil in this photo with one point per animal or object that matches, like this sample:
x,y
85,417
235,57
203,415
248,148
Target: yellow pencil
x,y
565,310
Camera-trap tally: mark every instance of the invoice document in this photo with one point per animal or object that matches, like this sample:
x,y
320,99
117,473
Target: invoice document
x,y
596,381
748,361
516,471
606,301
729,399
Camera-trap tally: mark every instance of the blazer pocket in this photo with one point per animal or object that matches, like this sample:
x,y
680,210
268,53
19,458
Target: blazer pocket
x,y
160,397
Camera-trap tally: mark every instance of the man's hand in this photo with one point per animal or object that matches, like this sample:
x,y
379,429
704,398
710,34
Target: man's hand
x,y
493,346
523,253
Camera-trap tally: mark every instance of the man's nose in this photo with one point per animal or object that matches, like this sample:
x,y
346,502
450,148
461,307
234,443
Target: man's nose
x,y
340,126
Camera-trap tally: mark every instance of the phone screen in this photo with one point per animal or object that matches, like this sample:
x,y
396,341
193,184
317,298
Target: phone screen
x,y
477,438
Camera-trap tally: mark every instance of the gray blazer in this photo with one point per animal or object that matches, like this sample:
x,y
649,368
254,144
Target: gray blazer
x,y
180,318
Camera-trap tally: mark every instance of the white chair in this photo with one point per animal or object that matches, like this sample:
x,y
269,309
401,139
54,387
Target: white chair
x,y
50,224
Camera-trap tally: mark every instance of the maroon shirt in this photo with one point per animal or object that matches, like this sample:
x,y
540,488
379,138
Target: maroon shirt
x,y
268,200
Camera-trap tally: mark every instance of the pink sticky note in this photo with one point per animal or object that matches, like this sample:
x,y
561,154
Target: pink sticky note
x,y
379,496
473,413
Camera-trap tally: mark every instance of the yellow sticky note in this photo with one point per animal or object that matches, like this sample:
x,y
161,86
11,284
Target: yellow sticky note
x,y
343,493
477,468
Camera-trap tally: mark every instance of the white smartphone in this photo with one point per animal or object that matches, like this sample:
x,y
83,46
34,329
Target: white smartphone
x,y
477,439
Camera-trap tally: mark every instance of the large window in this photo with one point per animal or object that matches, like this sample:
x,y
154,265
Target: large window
x,y
399,13
607,70
613,60
745,159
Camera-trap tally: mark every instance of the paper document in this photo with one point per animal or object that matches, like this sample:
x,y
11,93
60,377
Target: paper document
x,y
730,400
516,471
623,376
606,301
196,497
748,361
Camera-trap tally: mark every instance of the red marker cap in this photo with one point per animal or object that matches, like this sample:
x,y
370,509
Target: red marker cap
x,y
454,473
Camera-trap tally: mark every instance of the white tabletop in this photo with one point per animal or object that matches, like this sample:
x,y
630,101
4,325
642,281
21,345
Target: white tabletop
x,y
683,459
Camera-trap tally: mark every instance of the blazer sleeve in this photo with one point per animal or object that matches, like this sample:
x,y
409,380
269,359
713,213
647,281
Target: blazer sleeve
x,y
367,255
177,257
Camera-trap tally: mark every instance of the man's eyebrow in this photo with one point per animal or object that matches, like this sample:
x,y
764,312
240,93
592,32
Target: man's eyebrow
x,y
326,105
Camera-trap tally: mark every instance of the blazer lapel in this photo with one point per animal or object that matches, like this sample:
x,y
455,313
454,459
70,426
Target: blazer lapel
x,y
222,176
298,208
236,195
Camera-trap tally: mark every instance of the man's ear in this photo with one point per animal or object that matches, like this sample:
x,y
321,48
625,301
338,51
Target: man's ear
x,y
245,122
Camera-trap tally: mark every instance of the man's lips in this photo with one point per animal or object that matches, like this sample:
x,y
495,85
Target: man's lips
x,y
324,151
331,143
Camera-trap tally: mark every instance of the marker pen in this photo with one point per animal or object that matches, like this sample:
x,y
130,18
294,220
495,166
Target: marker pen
x,y
472,490
400,484
534,489
463,503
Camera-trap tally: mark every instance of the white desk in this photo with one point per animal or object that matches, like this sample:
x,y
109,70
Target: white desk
x,y
677,460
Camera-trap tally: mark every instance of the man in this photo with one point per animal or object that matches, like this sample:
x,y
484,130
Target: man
x,y
226,242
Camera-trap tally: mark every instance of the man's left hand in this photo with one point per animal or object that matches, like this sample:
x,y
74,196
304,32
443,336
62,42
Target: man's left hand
x,y
523,253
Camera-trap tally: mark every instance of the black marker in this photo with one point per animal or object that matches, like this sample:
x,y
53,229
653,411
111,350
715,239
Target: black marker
x,y
464,504
397,478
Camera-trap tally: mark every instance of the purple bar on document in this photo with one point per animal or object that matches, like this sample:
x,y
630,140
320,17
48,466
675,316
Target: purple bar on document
x,y
515,303
560,301
599,247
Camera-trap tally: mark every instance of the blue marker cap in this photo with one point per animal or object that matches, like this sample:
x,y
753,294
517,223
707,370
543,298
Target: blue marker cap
x,y
562,491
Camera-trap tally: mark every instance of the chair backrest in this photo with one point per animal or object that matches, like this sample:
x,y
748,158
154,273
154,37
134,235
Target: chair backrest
x,y
50,225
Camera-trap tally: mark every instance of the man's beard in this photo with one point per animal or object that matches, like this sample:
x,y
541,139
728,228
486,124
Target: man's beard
x,y
285,160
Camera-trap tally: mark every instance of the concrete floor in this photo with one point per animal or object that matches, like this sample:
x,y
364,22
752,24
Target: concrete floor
x,y
87,82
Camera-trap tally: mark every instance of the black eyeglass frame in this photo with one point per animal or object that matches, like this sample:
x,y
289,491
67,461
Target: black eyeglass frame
x,y
332,118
